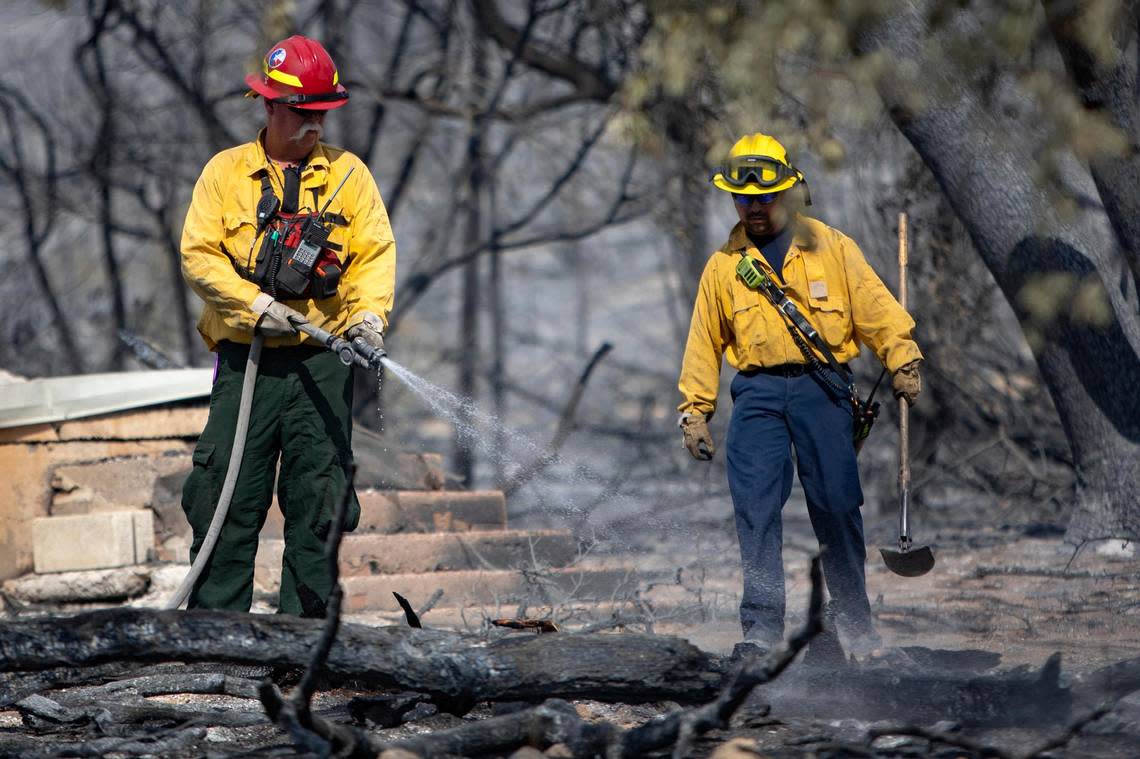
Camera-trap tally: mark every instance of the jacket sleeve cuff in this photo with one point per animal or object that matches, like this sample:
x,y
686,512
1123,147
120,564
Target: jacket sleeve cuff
x,y
370,320
261,303
690,409
903,355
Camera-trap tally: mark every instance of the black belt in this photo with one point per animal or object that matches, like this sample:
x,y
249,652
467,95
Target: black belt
x,y
782,370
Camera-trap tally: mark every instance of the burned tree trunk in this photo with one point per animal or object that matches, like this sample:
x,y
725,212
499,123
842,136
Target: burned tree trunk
x,y
1104,73
1052,269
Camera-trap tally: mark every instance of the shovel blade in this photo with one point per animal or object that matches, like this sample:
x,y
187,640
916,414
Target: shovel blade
x,y
913,562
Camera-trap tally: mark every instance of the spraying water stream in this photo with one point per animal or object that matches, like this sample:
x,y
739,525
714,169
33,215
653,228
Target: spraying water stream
x,y
481,430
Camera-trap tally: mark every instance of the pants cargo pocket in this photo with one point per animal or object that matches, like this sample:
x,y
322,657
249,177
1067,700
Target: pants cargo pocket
x,y
352,516
328,483
352,513
202,488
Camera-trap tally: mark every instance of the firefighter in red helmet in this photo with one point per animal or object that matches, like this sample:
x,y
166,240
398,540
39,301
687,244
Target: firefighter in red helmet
x,y
235,256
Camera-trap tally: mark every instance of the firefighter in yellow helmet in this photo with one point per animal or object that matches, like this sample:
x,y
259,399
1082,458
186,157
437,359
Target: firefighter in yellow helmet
x,y
241,253
780,277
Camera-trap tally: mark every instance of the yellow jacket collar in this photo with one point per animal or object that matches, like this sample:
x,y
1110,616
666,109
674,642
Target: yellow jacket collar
x,y
804,236
256,159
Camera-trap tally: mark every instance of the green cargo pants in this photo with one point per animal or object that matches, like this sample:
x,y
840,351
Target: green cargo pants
x,y
301,413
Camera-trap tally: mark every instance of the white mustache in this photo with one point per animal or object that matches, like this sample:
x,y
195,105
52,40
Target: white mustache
x,y
300,133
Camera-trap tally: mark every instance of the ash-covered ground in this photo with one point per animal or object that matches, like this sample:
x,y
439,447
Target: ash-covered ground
x,y
1012,638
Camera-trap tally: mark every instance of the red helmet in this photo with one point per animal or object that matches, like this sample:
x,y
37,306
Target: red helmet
x,y
298,72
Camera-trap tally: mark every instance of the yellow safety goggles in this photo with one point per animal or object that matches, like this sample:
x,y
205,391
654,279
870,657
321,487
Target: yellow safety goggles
x,y
764,171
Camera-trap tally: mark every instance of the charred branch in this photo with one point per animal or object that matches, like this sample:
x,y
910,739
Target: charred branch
x,y
617,213
585,78
37,222
982,749
116,678
167,743
156,52
627,668
565,426
111,716
295,714
91,60
556,721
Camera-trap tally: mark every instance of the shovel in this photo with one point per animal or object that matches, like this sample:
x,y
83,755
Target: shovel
x,y
909,560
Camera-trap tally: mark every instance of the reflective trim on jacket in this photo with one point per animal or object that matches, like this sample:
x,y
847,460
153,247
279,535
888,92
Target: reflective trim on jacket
x,y
827,277
218,241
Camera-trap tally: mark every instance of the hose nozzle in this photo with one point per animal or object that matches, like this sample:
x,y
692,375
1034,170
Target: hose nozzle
x,y
367,355
358,352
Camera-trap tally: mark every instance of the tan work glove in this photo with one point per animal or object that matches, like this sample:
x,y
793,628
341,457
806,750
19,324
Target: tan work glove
x,y
371,329
273,318
907,383
698,439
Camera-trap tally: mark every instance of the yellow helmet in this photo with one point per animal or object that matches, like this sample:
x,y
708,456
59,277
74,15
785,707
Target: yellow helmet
x,y
756,165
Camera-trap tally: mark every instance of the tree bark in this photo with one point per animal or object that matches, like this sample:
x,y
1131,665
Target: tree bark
x,y
187,329
1051,269
497,312
561,432
450,666
1105,77
37,224
681,121
102,166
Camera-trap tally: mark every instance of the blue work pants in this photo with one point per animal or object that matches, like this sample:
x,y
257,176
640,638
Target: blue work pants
x,y
771,414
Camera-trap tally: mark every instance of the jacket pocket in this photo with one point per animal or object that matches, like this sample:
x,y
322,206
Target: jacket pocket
x,y
750,324
239,232
830,317
827,300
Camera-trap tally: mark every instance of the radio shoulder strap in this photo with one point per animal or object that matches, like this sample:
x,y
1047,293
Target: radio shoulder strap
x,y
291,188
797,324
267,204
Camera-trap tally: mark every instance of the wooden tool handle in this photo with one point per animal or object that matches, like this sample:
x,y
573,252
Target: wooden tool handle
x,y
904,407
902,258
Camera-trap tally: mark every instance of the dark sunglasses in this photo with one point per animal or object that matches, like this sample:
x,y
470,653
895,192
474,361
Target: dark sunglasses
x,y
304,112
763,198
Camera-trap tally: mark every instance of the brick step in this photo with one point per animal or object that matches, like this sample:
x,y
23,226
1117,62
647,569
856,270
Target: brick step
x,y
417,511
369,554
137,480
498,590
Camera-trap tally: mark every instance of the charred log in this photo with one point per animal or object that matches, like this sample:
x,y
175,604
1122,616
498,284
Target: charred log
x,y
626,667
142,680
166,744
113,717
556,721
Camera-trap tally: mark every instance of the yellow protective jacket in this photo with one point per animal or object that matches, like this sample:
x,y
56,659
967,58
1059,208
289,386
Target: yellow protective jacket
x,y
218,242
831,283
